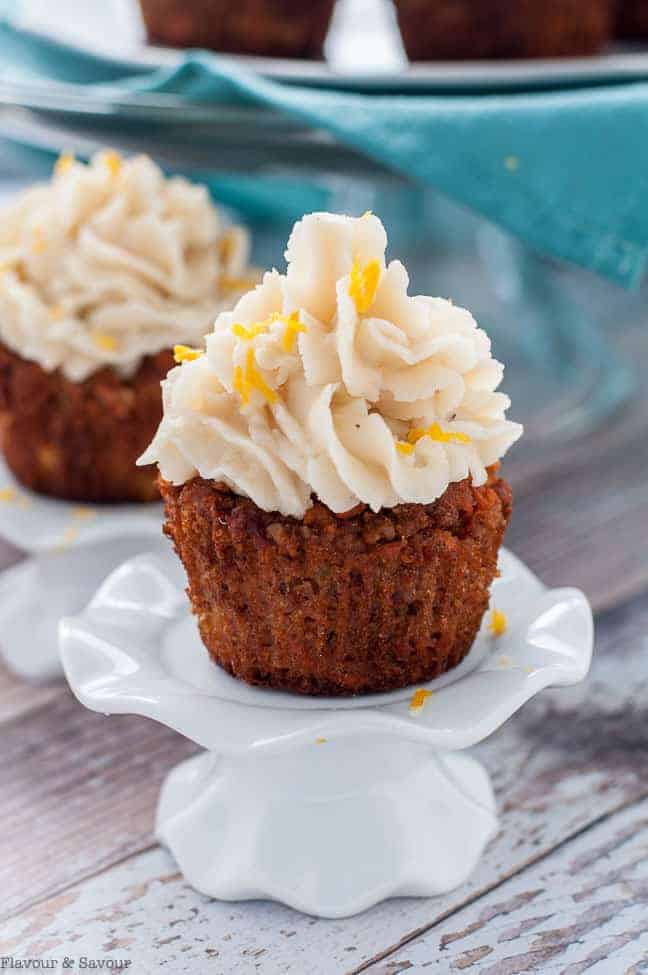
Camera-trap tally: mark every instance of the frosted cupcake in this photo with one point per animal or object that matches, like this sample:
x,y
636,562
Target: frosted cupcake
x,y
466,29
102,271
271,28
329,470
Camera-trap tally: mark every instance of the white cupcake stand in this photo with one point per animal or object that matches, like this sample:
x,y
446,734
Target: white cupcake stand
x,y
71,548
326,805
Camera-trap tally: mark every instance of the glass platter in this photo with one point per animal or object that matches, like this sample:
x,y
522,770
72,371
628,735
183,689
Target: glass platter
x,y
363,51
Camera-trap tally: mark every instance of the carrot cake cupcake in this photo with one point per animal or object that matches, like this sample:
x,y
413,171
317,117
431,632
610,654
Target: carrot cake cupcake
x,y
274,28
465,29
102,271
631,19
329,466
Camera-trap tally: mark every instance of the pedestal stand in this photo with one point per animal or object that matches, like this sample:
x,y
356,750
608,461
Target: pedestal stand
x,y
326,805
71,549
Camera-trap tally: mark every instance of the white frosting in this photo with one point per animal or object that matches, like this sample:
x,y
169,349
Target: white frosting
x,y
379,398
111,262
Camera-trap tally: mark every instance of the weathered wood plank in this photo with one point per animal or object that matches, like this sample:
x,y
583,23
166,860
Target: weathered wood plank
x,y
18,699
78,793
567,760
583,909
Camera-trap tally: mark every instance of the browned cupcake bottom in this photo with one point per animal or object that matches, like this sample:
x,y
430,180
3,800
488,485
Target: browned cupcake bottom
x,y
338,604
275,28
465,29
80,441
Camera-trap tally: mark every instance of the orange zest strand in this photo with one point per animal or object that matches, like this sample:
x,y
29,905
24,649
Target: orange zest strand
x,y
404,448
241,386
108,343
363,284
113,163
498,622
292,323
184,353
251,332
251,378
434,432
64,162
293,328
419,697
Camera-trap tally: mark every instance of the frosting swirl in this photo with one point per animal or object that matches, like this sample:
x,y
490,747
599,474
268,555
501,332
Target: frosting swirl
x,y
110,262
331,380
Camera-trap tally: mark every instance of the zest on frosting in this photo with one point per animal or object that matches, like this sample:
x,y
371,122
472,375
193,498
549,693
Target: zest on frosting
x,y
110,262
330,380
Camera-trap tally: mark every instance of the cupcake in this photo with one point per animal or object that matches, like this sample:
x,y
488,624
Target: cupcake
x,y
102,271
329,467
631,19
465,29
275,28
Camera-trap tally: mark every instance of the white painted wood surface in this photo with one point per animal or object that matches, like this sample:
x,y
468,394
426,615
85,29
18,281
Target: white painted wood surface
x,y
583,909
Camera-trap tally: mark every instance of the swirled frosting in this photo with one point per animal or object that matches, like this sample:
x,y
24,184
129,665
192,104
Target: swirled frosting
x,y
330,380
110,262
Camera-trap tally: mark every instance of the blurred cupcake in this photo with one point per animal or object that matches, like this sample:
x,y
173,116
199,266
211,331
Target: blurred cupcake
x,y
466,29
102,271
329,470
631,19
275,28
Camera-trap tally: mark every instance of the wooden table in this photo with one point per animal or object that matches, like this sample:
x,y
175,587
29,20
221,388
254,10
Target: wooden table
x,y
562,889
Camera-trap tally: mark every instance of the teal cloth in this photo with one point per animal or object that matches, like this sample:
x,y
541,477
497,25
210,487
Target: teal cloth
x,y
565,171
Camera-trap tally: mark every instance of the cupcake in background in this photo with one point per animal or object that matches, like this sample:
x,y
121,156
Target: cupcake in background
x,y
103,270
273,28
466,29
329,467
632,19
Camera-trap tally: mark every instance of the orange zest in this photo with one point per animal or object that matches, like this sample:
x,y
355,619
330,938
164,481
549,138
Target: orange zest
x,y
113,163
64,162
404,448
498,622
247,333
434,432
293,328
250,378
292,323
108,343
419,697
184,353
363,284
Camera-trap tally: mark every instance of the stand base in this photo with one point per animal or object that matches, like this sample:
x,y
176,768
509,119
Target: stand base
x,y
330,829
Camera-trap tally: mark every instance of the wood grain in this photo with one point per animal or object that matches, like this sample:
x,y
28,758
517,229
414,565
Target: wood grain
x,y
565,762
18,699
583,909
78,793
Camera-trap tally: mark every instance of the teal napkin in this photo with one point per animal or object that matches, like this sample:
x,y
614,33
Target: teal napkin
x,y
565,171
